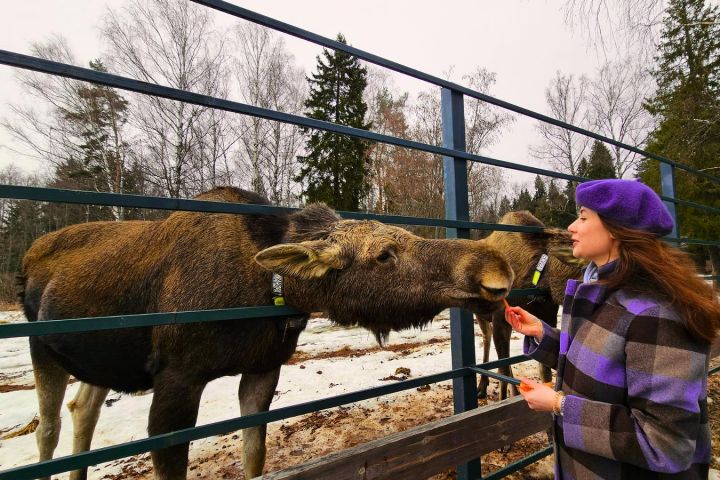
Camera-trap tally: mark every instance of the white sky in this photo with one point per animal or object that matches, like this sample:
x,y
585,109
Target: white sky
x,y
524,42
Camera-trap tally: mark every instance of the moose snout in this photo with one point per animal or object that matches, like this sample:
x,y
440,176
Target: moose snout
x,y
494,293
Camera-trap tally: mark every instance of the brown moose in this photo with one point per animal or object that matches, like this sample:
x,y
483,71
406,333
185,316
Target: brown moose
x,y
362,273
523,251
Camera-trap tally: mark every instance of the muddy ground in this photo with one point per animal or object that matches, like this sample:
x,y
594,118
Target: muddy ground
x,y
298,440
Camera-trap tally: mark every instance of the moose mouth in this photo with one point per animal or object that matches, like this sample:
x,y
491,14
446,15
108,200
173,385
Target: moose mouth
x,y
477,303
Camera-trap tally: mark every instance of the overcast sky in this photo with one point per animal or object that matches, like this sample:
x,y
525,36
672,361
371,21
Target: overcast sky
x,y
524,42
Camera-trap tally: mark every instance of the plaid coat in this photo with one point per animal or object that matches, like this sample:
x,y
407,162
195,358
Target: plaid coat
x,y
636,386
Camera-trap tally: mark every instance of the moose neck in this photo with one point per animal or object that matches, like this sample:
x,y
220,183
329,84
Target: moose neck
x,y
314,222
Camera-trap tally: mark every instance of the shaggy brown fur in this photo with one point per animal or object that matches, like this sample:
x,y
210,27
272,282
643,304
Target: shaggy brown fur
x,y
358,272
523,250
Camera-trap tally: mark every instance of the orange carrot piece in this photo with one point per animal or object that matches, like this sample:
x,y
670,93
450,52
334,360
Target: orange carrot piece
x,y
526,388
507,305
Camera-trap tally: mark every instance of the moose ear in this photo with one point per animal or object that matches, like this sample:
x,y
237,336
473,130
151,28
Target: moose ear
x,y
564,254
560,246
304,260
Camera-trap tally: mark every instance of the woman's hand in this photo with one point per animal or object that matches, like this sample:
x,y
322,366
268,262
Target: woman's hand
x,y
538,396
524,322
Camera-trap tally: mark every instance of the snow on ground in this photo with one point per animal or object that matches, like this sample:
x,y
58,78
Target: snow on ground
x,y
309,376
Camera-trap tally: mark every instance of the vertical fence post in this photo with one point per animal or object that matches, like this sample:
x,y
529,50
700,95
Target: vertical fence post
x,y
462,331
667,181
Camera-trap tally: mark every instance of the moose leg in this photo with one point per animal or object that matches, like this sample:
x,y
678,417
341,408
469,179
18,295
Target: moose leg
x,y
85,410
174,407
501,336
486,328
50,383
255,393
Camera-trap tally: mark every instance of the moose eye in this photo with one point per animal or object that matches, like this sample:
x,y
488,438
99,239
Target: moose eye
x,y
384,256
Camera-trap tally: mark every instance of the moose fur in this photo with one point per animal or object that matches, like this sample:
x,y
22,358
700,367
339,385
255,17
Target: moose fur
x,y
523,250
362,273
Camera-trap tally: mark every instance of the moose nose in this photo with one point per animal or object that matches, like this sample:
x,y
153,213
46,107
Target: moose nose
x,y
495,293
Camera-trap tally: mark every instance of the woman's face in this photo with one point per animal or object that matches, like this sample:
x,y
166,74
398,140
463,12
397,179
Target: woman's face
x,y
591,240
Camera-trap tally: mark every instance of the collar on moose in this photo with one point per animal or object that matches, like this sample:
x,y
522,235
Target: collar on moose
x,y
277,290
539,269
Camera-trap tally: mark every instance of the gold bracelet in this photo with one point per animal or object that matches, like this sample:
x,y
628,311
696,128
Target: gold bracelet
x,y
557,407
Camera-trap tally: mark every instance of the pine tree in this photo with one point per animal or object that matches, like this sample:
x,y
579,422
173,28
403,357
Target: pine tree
x,y
97,119
540,207
687,110
600,165
557,203
335,169
505,207
523,202
569,212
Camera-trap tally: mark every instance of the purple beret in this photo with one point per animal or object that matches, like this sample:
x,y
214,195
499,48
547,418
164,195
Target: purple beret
x,y
629,203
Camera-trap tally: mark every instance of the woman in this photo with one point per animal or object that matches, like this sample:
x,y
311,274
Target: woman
x,y
633,349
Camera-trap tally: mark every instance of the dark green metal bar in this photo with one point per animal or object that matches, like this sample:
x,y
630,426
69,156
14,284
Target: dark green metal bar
x,y
142,320
75,325
335,45
524,292
45,194
462,325
691,241
503,362
688,203
137,201
496,376
714,370
93,457
520,464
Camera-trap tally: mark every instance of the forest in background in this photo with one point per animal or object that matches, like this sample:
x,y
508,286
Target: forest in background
x,y
96,138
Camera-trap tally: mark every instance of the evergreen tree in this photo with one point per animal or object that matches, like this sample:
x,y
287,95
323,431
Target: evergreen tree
x,y
335,169
569,213
540,207
557,203
583,167
600,164
687,108
97,118
505,207
523,202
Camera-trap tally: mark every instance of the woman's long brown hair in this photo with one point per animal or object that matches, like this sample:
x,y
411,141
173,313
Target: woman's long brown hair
x,y
648,264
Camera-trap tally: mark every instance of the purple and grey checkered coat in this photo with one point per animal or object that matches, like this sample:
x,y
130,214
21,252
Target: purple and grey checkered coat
x,y
636,386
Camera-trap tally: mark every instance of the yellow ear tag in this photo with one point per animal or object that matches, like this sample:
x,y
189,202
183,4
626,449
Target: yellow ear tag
x,y
536,277
279,301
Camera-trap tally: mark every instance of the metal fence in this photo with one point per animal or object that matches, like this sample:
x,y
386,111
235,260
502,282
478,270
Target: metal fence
x,y
455,158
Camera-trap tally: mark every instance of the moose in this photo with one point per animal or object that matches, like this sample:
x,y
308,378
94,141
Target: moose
x,y
359,273
523,251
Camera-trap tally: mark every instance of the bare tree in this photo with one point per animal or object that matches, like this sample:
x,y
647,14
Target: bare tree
x,y
74,127
483,126
171,42
39,125
387,111
625,26
267,77
567,101
615,98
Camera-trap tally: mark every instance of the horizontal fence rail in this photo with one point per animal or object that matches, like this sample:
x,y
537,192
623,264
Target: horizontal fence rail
x,y
76,325
163,203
